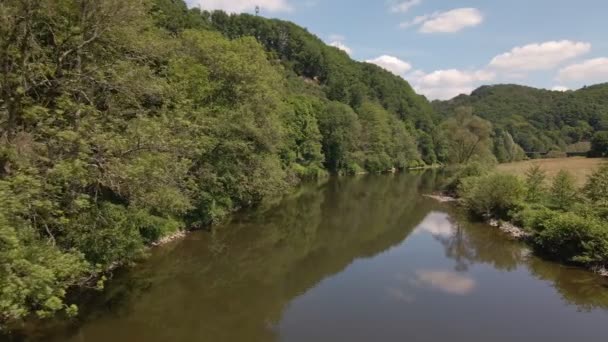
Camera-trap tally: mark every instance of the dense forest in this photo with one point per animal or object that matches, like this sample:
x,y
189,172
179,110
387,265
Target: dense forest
x,y
540,121
125,121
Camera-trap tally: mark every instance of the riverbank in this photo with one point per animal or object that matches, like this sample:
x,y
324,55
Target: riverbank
x,y
561,220
512,230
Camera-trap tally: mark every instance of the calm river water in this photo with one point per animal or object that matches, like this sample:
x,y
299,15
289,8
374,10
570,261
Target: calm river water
x,y
353,259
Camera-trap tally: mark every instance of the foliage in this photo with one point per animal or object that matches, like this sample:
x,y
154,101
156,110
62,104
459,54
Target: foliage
x,y
538,120
563,191
468,136
493,194
505,148
574,238
599,144
535,184
596,188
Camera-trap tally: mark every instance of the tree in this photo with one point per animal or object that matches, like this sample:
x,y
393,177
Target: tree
x,y
340,128
596,188
563,190
599,144
467,136
505,149
535,183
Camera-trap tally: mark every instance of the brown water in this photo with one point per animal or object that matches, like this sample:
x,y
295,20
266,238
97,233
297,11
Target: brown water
x,y
355,259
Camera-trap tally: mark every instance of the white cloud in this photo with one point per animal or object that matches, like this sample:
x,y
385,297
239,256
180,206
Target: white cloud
x,y
446,84
340,45
446,22
392,64
560,88
543,56
589,71
416,21
404,5
337,40
238,6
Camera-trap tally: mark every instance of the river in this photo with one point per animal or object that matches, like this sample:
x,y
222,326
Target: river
x,y
352,259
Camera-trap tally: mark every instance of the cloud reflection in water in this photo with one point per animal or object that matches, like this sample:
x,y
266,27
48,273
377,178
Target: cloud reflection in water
x,y
446,281
437,224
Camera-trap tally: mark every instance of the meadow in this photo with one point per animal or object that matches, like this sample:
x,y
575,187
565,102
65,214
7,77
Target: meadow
x,y
579,167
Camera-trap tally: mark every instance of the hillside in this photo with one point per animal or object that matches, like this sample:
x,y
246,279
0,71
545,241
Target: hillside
x,y
539,120
124,121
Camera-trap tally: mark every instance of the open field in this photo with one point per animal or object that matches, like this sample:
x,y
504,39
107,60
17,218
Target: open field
x,y
579,167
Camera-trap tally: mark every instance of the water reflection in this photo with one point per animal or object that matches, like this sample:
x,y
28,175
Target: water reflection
x,y
469,243
446,281
331,254
437,224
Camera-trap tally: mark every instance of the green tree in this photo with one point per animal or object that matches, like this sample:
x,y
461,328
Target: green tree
x,y
467,136
596,188
340,128
535,184
599,144
563,190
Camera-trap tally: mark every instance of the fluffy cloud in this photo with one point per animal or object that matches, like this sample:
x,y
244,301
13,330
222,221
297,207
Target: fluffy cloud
x,y
445,84
337,40
560,88
340,45
446,22
238,6
542,56
403,6
591,71
416,21
392,64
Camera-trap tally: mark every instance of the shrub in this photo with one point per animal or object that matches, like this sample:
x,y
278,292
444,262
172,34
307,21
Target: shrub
x,y
535,184
460,172
491,195
153,228
563,191
596,188
573,238
533,218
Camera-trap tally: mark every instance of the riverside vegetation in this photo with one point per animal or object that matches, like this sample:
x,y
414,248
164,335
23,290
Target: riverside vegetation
x,y
561,221
125,121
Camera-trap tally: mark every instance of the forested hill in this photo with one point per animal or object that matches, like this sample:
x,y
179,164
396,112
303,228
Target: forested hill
x,y
539,120
331,75
126,121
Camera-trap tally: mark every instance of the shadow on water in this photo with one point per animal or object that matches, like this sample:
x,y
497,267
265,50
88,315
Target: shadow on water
x,y
236,283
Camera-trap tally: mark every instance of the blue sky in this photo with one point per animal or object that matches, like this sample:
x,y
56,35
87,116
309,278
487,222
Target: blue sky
x,y
447,47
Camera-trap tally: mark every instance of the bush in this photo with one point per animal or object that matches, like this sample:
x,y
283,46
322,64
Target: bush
x,y
491,195
563,191
574,238
460,172
596,188
107,235
533,218
535,184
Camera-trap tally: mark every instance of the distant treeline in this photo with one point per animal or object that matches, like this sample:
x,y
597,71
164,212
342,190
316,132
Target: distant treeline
x,y
541,121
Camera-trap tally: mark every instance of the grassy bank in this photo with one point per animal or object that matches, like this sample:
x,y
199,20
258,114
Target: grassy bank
x,y
564,217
